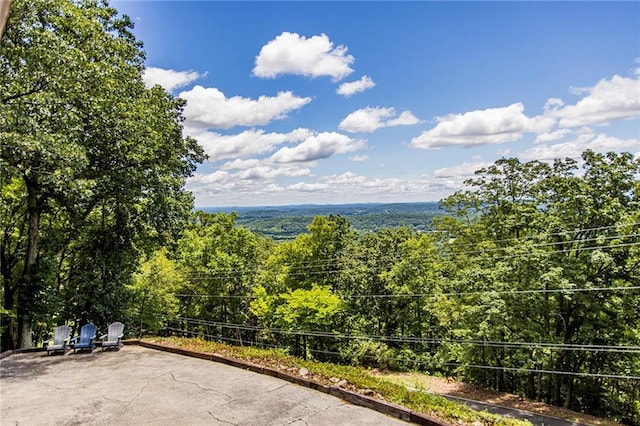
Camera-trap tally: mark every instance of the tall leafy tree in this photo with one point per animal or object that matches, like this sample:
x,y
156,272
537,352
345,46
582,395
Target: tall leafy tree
x,y
101,158
301,278
549,253
220,262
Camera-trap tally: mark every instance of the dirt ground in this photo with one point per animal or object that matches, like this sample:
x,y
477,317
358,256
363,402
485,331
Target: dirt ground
x,y
463,390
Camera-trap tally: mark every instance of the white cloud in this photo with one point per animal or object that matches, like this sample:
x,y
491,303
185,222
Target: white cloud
x,y
450,179
290,53
359,158
246,144
253,175
210,108
263,169
169,79
575,148
317,147
463,171
552,136
233,189
370,119
353,87
307,187
614,99
240,164
218,176
481,127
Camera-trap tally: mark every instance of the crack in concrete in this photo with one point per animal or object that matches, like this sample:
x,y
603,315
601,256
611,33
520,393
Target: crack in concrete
x,y
175,379
279,387
137,395
58,387
299,419
302,419
221,420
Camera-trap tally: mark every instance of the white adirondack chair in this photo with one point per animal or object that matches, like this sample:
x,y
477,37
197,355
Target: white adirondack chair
x,y
60,340
113,336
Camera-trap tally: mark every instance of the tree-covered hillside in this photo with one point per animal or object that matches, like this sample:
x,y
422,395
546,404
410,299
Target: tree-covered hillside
x,y
529,284
287,222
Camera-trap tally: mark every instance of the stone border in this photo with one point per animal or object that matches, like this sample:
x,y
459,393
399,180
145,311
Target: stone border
x,y
345,394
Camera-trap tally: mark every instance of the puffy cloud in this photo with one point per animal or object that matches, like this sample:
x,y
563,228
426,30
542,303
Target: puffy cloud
x,y
552,136
614,99
240,164
307,187
290,53
370,119
353,87
263,169
575,148
250,175
449,179
481,127
317,147
169,79
464,170
246,144
240,188
210,108
218,176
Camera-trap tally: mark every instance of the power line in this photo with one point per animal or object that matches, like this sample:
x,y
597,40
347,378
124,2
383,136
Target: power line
x,y
559,233
421,295
318,265
418,340
436,364
554,243
228,273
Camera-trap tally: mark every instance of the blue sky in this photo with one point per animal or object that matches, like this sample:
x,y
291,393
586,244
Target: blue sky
x,y
340,102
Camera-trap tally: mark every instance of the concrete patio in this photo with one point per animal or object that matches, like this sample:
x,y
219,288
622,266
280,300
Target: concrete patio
x,y
141,386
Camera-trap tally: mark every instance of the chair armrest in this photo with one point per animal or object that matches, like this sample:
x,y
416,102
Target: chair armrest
x,y
120,336
74,340
104,336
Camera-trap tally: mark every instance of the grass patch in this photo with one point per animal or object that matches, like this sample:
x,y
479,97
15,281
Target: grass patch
x,y
358,380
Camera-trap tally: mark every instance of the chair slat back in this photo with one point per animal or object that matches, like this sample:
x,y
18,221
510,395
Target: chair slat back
x,y
115,331
87,333
62,333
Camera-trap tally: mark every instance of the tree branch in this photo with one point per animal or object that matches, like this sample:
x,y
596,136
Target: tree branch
x,y
38,88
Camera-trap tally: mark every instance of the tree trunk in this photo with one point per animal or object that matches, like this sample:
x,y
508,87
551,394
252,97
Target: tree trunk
x,y
8,324
5,7
26,290
567,401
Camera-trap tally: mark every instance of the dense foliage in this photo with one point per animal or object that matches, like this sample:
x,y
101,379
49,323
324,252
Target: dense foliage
x,y
530,284
93,165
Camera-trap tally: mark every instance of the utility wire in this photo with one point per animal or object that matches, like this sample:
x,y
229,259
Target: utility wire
x,y
435,364
420,340
293,270
333,260
421,295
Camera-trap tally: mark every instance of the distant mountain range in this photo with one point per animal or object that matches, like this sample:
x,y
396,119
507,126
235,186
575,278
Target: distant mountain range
x,y
286,222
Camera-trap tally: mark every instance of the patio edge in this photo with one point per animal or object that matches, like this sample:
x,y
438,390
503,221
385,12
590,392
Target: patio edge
x,y
339,392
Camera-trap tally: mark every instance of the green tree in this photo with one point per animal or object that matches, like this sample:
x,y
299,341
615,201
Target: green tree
x,y
297,270
220,262
153,290
102,159
299,311
544,254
